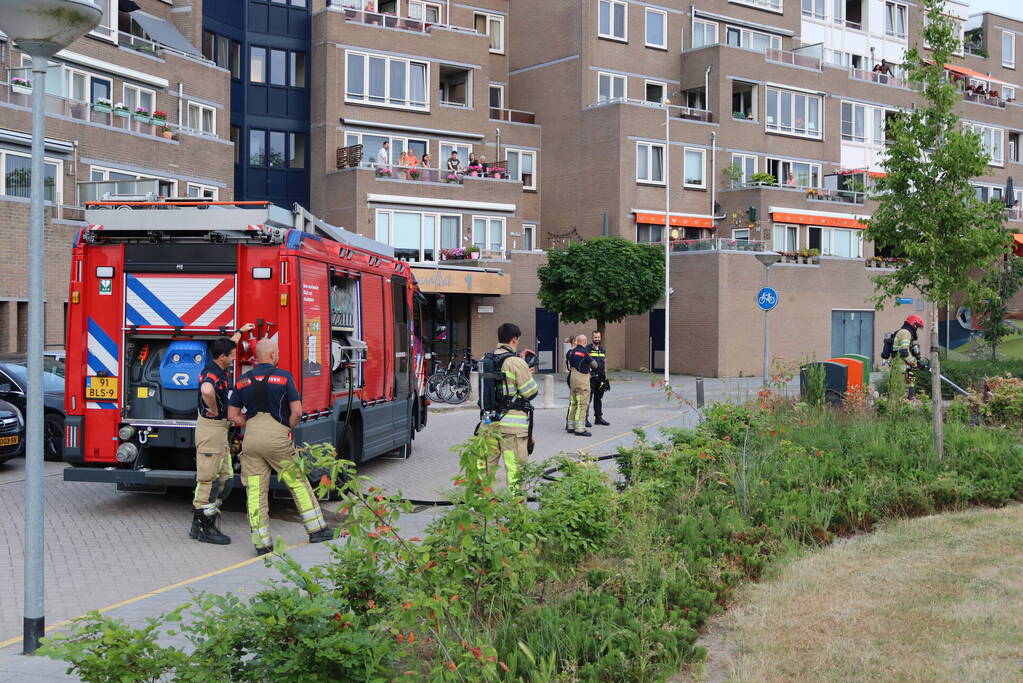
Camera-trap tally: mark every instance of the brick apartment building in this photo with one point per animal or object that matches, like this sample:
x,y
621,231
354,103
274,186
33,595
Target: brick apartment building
x,y
776,129
144,55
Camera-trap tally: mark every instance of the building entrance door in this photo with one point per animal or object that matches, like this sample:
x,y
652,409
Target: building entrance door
x,y
547,340
657,340
852,332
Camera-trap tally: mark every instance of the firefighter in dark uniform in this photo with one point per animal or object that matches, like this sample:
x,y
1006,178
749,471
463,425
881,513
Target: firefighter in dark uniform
x,y
579,367
272,409
213,470
598,380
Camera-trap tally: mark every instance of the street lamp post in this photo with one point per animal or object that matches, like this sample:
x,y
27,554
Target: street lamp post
x,y
39,28
667,236
767,259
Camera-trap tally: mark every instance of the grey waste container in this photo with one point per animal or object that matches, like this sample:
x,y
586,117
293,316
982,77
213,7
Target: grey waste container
x,y
836,381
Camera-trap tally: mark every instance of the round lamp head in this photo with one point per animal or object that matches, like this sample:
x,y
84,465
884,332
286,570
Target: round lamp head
x,y
768,258
42,28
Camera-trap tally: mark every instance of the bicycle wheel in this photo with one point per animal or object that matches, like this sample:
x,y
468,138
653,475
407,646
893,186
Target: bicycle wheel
x,y
433,386
455,389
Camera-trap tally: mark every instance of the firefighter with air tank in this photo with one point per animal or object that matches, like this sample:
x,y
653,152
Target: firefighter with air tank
x,y
513,387
213,470
273,407
906,352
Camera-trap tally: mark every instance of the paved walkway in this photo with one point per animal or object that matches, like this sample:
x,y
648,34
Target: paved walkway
x,y
125,593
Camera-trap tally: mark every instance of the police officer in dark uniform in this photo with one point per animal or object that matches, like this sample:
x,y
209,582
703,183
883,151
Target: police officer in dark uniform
x,y
273,408
213,470
598,380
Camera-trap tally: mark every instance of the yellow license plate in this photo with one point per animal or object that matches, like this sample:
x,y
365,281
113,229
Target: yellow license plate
x,y
9,440
100,388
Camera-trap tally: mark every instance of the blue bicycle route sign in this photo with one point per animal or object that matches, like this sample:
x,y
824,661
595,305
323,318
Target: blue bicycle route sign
x,y
767,298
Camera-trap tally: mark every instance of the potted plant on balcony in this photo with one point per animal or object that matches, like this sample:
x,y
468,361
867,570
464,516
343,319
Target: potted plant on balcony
x,y
383,172
812,193
733,174
159,117
121,110
761,178
413,174
475,254
497,172
167,132
21,85
104,105
142,115
455,253
452,177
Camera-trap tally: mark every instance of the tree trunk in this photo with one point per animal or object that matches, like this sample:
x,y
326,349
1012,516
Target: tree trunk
x,y
937,405
601,327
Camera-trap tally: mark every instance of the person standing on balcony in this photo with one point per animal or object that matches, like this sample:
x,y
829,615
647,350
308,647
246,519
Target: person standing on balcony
x,y
454,165
403,165
383,159
412,161
427,165
484,166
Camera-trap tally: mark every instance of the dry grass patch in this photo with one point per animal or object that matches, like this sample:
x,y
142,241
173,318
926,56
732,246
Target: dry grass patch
x,y
932,599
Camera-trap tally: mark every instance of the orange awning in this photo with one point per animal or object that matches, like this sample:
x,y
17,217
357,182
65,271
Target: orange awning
x,y
1017,248
677,219
811,219
963,71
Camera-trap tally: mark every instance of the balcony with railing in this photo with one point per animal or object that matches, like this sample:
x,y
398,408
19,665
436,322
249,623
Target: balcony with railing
x,y
369,13
147,46
808,56
690,113
100,113
983,98
879,78
1014,213
795,189
718,244
772,5
512,115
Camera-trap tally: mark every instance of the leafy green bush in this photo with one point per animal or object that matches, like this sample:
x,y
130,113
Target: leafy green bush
x,y
575,512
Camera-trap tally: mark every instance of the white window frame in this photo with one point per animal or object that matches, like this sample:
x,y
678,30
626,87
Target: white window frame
x,y
746,38
1008,92
662,84
203,191
992,139
782,181
138,92
70,72
105,171
852,136
524,153
648,168
769,5
423,215
422,7
611,80
365,99
740,234
499,87
891,29
610,34
828,241
201,108
110,16
492,20
58,174
529,237
444,148
490,221
786,227
1011,62
664,28
778,128
703,24
817,10
740,161
703,167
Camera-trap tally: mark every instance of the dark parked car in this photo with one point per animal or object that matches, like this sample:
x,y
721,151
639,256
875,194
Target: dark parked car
x,y
12,432
13,381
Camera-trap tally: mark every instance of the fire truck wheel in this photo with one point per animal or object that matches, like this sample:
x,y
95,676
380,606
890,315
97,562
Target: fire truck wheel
x,y
53,437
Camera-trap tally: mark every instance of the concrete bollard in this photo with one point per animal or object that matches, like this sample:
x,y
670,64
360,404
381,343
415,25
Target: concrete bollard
x,y
548,391
699,391
474,388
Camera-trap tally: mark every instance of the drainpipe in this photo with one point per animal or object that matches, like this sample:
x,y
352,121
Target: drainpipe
x,y
447,11
713,171
497,156
181,96
706,88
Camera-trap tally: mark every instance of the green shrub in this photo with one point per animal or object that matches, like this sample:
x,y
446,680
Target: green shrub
x,y
575,512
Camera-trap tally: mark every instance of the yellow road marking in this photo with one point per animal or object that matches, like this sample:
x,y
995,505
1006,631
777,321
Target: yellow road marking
x,y
613,438
137,598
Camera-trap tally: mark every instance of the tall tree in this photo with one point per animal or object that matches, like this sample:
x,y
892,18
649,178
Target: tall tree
x,y
928,210
602,279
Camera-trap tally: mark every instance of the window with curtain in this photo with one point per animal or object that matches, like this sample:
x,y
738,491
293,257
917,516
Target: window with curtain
x,y
649,162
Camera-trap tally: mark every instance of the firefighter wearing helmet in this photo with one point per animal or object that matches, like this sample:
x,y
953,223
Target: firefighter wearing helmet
x,y
906,352
272,409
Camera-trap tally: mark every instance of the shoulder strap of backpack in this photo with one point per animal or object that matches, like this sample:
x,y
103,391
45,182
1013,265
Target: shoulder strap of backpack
x,y
262,403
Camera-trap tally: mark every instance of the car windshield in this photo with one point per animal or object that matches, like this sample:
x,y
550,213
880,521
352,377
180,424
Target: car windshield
x,y
52,382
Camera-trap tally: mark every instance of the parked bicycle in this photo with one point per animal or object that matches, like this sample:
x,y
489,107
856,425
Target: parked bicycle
x,y
451,385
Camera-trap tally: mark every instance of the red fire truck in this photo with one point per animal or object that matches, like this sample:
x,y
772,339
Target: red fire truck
x,y
153,282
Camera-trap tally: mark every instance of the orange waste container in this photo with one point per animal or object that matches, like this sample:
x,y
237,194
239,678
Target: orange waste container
x,y
855,382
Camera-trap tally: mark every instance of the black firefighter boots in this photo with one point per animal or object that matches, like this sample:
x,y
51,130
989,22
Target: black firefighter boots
x,y
324,534
204,529
601,421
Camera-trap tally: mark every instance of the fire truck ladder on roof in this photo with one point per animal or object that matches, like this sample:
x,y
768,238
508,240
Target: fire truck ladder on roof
x,y
244,220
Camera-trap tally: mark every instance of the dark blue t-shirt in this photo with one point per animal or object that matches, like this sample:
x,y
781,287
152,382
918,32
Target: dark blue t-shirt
x,y
220,379
280,392
579,360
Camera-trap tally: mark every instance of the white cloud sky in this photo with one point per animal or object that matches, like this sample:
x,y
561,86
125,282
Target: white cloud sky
x,y
1010,8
